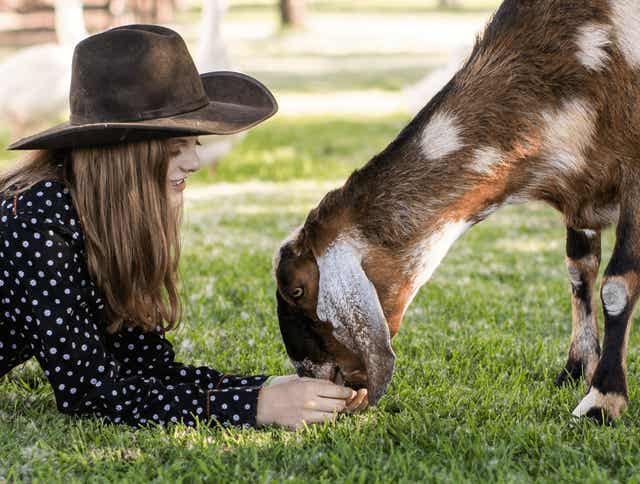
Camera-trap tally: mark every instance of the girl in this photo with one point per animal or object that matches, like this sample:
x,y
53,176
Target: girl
x,y
89,243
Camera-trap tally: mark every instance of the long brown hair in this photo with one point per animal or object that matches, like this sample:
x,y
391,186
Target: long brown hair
x,y
131,230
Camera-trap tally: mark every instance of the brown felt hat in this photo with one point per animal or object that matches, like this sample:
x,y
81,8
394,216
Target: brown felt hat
x,y
138,82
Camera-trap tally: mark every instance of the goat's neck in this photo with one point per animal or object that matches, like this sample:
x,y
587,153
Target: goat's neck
x,y
399,203
417,208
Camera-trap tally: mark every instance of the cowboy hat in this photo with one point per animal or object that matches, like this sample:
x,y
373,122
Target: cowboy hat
x,y
138,82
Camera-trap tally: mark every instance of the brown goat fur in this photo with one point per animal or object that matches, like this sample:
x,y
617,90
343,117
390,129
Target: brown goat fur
x,y
549,98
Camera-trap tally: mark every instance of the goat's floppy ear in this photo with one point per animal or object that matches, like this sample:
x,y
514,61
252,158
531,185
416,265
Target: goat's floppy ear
x,y
348,300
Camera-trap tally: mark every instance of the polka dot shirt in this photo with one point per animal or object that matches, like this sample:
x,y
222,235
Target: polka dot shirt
x,y
51,310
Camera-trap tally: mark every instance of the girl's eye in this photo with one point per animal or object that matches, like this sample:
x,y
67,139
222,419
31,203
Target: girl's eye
x,y
297,293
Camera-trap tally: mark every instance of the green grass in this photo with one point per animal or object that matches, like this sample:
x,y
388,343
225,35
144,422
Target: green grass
x,y
472,398
321,148
369,72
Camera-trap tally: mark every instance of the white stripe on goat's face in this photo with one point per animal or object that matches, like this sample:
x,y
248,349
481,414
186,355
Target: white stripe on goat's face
x,y
592,39
567,133
428,253
626,20
348,300
441,136
343,284
485,159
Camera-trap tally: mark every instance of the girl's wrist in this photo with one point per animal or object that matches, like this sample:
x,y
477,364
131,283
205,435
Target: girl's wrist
x,y
268,381
277,379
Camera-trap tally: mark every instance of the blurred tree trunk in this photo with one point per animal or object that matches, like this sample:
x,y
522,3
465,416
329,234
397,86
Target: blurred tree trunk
x,y
293,12
141,11
450,3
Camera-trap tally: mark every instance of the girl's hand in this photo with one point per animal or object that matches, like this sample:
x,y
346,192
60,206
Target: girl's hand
x,y
296,401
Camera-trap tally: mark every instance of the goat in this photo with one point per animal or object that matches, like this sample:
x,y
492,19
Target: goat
x,y
546,107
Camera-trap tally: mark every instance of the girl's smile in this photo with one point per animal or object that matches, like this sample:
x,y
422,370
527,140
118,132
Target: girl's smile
x,y
179,184
184,161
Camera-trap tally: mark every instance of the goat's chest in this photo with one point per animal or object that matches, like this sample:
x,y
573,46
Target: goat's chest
x,y
592,215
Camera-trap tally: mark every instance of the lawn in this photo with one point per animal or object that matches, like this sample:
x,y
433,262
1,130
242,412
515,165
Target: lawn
x,y
472,399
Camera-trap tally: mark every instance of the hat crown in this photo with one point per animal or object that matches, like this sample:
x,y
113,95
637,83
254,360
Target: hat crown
x,y
133,73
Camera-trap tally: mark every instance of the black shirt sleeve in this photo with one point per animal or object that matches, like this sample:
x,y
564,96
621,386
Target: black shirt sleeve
x,y
131,379
151,354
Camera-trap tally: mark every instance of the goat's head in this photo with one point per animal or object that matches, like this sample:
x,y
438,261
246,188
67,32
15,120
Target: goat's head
x,y
331,318
344,280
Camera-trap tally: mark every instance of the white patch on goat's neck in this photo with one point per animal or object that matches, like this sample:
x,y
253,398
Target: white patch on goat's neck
x,y
342,284
626,21
567,133
427,254
485,159
592,39
275,262
441,136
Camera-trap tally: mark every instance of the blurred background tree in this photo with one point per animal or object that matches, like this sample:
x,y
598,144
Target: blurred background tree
x,y
450,3
293,12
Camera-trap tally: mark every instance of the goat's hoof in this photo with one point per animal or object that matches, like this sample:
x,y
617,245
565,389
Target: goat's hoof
x,y
601,407
570,374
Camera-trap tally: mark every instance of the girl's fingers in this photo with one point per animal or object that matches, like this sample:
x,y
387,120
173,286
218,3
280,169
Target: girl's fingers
x,y
325,405
353,398
331,390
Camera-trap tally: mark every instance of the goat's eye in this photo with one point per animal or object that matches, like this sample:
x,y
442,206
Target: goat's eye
x,y
297,293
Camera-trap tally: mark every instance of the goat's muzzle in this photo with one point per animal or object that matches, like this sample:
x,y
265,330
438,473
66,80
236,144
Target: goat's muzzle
x,y
316,351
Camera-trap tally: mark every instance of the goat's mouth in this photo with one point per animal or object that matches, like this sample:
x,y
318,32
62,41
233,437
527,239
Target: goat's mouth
x,y
355,379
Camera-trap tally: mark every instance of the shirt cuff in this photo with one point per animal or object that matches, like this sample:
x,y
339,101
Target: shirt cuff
x,y
233,406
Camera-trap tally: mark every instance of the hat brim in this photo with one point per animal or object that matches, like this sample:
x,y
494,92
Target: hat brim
x,y
236,102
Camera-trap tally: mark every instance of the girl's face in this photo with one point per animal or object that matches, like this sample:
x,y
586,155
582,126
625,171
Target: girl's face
x,y
184,161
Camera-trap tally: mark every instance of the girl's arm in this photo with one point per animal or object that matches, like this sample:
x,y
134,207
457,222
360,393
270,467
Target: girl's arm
x,y
53,298
152,354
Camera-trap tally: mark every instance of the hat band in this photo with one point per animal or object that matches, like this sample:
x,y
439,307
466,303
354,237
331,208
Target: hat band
x,y
129,117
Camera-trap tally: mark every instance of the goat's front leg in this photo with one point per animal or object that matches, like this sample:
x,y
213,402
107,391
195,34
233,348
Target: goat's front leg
x,y
608,394
583,261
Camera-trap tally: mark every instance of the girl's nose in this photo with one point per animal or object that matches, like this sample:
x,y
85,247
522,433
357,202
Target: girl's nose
x,y
192,163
